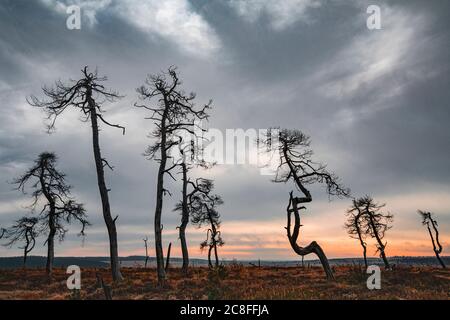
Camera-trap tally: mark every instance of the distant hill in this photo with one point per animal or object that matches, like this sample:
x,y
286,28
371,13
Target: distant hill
x,y
138,261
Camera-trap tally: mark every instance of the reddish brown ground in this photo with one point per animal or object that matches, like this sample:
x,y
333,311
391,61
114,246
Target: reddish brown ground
x,y
233,282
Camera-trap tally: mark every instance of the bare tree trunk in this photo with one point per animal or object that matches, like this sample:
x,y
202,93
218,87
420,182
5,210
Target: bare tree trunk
x,y
184,222
168,257
146,252
313,247
436,250
383,256
380,243
440,260
213,239
109,221
50,246
365,256
159,201
363,245
216,254
25,250
51,223
209,256
25,254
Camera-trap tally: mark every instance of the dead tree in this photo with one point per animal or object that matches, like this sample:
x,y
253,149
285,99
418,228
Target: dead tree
x,y
24,230
169,248
375,223
173,113
354,228
292,150
50,189
190,156
203,208
87,95
427,220
146,251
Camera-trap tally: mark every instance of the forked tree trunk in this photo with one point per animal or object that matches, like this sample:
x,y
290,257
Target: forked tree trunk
x,y
313,247
109,221
213,240
184,222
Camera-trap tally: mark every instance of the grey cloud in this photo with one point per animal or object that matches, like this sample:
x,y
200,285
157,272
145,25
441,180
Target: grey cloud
x,y
261,77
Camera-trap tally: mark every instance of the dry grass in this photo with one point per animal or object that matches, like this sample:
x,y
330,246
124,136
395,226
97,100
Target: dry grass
x,y
233,282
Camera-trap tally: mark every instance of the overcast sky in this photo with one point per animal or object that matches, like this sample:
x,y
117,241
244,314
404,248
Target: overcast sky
x,y
375,102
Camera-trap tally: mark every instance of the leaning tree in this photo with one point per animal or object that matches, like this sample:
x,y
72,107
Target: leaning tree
x,y
52,202
295,163
375,223
173,113
431,223
23,230
88,96
354,227
203,208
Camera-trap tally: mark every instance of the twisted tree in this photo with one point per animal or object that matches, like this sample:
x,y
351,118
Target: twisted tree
x,y
49,187
431,223
87,95
173,114
203,208
375,223
24,230
354,227
292,149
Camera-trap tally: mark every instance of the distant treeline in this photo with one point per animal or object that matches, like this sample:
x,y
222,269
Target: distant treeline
x,y
103,262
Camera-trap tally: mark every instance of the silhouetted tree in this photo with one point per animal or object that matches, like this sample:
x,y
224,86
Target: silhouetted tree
x,y
430,222
24,230
173,114
203,209
354,228
146,251
169,248
87,95
375,223
190,154
50,188
292,149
